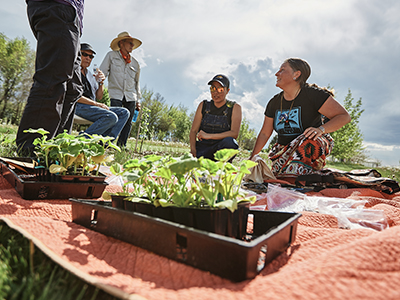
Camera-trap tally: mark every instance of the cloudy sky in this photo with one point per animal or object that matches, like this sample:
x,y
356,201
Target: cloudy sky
x,y
350,44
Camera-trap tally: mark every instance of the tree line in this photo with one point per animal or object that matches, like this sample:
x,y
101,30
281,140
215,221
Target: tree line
x,y
16,70
162,122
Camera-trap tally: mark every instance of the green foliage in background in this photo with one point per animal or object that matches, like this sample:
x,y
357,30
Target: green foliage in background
x,y
165,123
106,98
247,136
349,139
16,70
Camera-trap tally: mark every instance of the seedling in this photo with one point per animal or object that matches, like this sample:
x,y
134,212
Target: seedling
x,y
185,181
72,154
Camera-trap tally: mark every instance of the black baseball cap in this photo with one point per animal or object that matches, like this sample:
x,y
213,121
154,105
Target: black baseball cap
x,y
87,47
222,79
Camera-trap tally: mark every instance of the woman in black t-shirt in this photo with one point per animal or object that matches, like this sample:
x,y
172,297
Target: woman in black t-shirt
x,y
296,115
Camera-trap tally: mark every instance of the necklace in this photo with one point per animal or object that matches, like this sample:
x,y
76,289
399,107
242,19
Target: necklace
x,y
284,117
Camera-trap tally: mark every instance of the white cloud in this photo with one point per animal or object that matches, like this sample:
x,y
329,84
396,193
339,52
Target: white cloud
x,y
201,97
388,155
252,110
379,147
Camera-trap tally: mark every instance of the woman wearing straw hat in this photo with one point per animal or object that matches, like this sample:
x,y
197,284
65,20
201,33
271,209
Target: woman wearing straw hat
x,y
123,72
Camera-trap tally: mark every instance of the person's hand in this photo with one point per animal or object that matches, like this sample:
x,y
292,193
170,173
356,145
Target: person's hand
x,y
138,105
100,77
102,105
312,133
201,135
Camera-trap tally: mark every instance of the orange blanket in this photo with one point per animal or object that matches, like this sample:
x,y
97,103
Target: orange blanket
x,y
325,262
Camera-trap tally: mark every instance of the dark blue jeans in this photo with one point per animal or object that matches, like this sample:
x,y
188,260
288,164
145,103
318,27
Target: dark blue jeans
x,y
105,122
207,148
126,131
57,81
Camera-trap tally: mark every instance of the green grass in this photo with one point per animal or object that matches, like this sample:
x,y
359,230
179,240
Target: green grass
x,y
26,275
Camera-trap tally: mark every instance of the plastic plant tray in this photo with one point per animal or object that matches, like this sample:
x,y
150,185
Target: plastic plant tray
x,y
231,258
29,189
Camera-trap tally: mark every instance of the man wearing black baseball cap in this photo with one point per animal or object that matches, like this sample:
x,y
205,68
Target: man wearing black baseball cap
x,y
216,123
221,79
86,47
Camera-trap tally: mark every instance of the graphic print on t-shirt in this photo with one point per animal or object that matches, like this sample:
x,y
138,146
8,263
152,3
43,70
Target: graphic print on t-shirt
x,y
287,123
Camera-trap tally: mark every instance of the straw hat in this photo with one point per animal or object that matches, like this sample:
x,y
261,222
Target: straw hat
x,y
124,36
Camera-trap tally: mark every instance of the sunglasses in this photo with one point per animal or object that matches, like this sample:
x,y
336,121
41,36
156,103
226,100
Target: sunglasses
x,y
91,56
214,89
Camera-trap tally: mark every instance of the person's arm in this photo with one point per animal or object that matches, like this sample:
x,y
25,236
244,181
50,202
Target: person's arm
x,y
105,65
139,93
337,115
195,129
235,127
85,100
100,90
263,136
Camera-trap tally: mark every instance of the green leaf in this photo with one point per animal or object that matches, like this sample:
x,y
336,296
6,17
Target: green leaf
x,y
164,173
132,164
106,196
152,158
56,169
184,164
229,204
209,165
163,203
131,176
115,168
40,131
225,154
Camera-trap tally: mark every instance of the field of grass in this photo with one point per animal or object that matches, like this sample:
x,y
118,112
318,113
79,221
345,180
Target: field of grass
x,y
24,275
27,274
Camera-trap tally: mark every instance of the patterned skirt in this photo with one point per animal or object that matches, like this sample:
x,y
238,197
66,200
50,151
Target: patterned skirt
x,y
301,156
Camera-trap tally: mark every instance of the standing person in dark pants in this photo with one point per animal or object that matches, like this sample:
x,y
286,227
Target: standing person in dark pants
x,y
123,73
57,26
216,123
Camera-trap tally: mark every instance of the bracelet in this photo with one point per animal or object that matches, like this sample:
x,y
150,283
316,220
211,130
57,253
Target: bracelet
x,y
101,83
322,129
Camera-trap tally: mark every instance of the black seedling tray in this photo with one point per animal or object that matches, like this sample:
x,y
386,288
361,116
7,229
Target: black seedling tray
x,y
231,258
63,187
217,220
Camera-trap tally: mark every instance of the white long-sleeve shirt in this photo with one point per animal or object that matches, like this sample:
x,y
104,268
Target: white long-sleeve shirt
x,y
123,78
